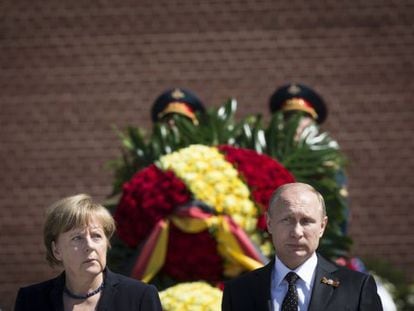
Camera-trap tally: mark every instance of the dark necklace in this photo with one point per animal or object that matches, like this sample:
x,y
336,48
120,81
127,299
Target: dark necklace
x,y
74,296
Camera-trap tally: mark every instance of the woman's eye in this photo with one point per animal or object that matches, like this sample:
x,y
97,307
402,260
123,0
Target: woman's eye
x,y
76,238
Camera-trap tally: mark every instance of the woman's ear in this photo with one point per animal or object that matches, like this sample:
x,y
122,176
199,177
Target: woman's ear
x,y
56,251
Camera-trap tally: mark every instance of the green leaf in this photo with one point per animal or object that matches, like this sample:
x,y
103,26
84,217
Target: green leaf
x,y
312,156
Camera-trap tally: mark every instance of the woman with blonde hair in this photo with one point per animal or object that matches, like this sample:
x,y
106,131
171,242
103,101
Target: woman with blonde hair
x,y
76,234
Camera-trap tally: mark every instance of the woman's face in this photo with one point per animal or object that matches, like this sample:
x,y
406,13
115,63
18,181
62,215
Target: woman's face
x,y
82,250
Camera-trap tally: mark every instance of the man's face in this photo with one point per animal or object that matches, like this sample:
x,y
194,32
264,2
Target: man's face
x,y
170,119
296,223
304,122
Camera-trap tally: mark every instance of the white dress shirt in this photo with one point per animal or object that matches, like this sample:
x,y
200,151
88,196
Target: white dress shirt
x,y
304,284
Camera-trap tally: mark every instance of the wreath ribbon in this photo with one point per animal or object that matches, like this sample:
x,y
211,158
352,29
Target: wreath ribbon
x,y
233,243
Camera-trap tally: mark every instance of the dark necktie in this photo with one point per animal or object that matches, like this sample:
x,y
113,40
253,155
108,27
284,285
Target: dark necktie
x,y
290,303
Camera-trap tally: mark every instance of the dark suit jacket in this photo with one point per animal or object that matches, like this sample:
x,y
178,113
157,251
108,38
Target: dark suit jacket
x,y
356,291
119,293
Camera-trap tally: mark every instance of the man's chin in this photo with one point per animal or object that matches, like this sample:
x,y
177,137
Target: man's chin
x,y
299,256
295,259
299,251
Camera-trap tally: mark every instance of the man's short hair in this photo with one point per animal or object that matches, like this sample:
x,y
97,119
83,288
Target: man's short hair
x,y
279,191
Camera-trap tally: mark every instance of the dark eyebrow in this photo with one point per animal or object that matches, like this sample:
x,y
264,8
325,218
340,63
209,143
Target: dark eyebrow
x,y
285,216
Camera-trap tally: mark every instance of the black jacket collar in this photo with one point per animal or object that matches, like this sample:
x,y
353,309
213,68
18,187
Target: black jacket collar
x,y
110,279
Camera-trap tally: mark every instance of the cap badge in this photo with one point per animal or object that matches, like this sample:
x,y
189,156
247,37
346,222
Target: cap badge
x,y
294,89
177,94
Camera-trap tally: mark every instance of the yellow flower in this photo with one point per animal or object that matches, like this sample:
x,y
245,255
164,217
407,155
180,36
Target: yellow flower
x,y
214,181
191,296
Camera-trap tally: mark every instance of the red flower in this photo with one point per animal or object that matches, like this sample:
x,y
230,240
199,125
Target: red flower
x,y
153,194
261,222
149,196
262,182
191,257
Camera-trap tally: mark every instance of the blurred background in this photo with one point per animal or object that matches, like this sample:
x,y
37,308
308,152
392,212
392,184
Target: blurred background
x,y
72,70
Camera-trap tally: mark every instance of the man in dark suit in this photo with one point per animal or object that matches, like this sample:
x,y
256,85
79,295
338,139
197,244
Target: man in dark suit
x,y
298,278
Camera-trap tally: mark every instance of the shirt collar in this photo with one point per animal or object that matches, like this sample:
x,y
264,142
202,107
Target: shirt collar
x,y
305,271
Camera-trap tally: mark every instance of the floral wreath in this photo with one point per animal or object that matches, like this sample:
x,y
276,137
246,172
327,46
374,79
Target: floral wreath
x,y
201,198
193,198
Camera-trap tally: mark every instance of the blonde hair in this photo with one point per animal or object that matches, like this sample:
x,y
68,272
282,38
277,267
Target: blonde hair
x,y
73,212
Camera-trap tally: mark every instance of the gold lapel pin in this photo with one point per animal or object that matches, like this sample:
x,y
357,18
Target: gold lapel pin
x,y
334,283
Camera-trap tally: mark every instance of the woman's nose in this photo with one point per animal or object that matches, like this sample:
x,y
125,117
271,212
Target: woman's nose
x,y
89,242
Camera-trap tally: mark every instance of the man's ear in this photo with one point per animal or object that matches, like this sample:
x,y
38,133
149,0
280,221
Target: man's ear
x,y
56,251
324,223
268,223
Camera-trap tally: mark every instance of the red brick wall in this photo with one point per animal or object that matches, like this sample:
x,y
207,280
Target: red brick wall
x,y
72,69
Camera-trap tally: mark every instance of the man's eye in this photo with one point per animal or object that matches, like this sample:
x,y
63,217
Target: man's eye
x,y
76,238
307,221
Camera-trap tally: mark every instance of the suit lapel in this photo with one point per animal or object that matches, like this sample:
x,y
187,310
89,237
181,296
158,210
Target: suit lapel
x,y
322,293
56,294
109,291
262,286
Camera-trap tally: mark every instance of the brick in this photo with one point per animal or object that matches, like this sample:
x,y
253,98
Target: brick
x,y
72,70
